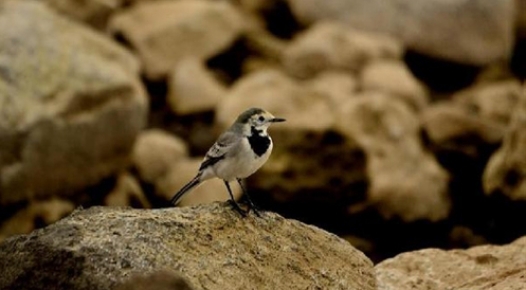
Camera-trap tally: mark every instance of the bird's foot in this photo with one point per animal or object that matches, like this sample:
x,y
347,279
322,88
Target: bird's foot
x,y
237,208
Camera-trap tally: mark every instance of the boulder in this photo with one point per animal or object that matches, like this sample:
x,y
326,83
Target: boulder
x,y
165,32
506,170
330,45
155,152
394,78
475,32
95,13
405,181
210,246
487,267
71,104
36,215
127,192
193,89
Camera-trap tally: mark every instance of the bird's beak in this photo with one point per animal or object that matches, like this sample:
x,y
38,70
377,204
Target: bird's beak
x,y
277,120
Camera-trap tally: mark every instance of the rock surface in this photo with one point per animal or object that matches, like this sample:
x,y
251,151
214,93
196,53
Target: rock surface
x,y
165,32
210,246
483,30
483,267
71,104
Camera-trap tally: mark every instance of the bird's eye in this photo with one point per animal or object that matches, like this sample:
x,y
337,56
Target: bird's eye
x,y
261,118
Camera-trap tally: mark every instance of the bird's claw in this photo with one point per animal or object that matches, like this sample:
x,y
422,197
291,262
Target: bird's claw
x,y
237,208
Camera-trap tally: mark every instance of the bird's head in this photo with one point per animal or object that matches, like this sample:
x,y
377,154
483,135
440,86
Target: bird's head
x,y
258,119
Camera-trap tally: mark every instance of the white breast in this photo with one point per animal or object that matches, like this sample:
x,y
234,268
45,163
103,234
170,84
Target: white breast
x,y
242,163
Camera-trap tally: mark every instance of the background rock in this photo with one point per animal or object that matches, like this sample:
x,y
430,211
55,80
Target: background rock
x,y
70,104
483,30
96,13
193,89
127,192
328,45
405,180
165,32
101,247
484,267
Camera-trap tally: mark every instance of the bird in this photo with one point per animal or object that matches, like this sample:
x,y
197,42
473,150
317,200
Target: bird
x,y
238,152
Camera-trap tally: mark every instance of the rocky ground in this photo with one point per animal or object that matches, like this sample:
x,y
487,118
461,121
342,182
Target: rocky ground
x,y
405,132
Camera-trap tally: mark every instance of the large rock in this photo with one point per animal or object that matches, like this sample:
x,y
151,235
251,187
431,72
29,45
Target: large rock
x,y
475,32
483,267
393,77
93,12
193,89
405,180
71,104
165,32
330,45
505,172
211,247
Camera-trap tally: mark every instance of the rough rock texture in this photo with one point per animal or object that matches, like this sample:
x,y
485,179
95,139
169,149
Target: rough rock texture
x,y
405,180
193,89
210,246
165,32
161,280
71,104
329,45
478,268
505,172
482,30
393,77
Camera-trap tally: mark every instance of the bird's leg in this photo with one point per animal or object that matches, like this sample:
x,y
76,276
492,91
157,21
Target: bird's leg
x,y
233,202
250,203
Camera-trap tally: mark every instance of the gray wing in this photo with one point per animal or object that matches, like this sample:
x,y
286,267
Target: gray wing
x,y
223,145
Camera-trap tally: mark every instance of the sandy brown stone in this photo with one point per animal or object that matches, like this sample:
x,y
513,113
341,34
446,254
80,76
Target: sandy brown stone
x,y
165,32
478,268
405,180
127,192
211,247
71,104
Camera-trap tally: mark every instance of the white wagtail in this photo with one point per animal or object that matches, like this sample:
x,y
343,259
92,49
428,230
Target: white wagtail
x,y
238,153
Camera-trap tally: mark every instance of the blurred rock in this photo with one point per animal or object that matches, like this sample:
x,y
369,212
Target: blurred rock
x,y
282,96
210,246
506,170
161,280
36,215
95,13
155,152
394,78
337,85
181,172
193,89
405,180
475,32
521,18
328,45
165,32
297,169
71,104
472,120
483,267
127,192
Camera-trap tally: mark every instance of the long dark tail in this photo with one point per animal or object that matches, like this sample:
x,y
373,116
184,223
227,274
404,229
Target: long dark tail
x,y
193,183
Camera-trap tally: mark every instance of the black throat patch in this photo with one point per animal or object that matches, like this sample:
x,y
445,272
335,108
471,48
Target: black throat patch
x,y
258,143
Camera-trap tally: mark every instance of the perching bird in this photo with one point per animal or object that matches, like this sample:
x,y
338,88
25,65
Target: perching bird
x,y
238,153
